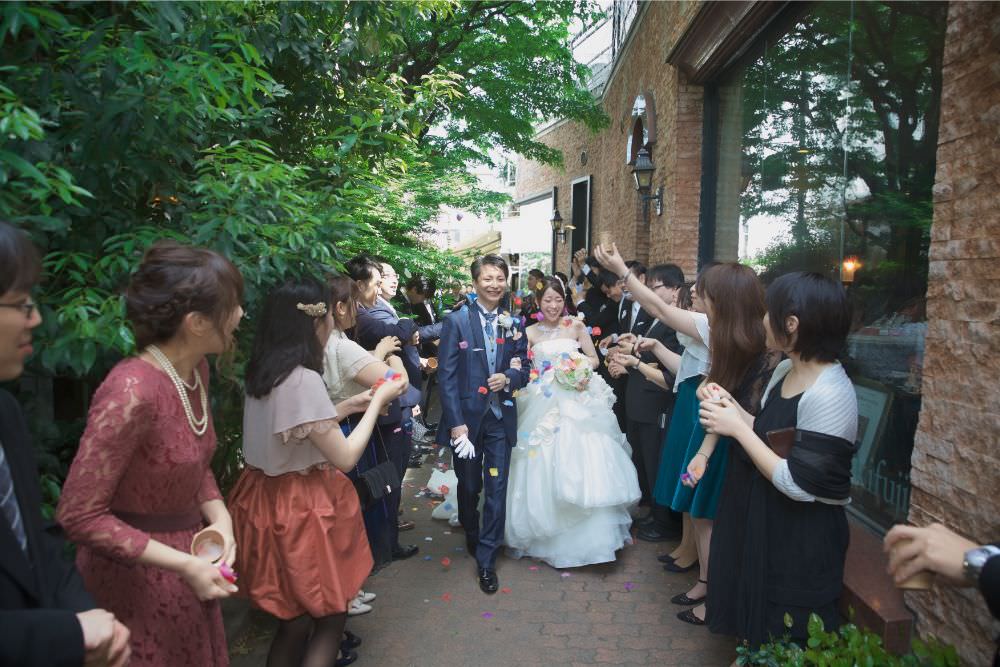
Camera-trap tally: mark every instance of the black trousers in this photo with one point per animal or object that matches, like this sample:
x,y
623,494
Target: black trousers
x,y
398,438
646,441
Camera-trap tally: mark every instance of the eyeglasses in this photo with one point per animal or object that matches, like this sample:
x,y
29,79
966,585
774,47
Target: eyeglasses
x,y
27,308
657,286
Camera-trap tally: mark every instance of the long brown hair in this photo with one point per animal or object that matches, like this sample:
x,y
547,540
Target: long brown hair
x,y
344,290
738,337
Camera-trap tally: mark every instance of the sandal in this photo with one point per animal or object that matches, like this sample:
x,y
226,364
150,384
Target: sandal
x,y
683,599
688,617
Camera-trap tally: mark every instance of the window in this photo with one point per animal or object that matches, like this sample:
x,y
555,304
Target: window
x,y
824,153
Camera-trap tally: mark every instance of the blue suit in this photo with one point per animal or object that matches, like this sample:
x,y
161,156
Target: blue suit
x,y
463,367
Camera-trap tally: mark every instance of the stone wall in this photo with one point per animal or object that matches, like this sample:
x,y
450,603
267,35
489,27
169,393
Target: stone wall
x,y
956,458
676,150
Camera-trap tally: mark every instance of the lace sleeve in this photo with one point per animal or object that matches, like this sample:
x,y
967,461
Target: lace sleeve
x,y
118,422
297,434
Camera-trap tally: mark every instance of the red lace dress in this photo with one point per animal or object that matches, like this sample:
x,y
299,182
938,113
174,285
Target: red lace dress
x,y
139,458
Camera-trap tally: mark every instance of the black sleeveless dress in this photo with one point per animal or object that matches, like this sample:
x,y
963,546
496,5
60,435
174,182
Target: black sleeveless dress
x,y
771,555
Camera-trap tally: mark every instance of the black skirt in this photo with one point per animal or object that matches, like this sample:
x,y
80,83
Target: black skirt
x,y
772,556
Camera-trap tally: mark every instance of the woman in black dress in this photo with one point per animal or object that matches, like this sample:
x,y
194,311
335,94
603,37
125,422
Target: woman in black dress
x,y
781,533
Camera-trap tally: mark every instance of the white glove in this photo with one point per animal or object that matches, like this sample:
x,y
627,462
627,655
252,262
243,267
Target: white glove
x,y
463,447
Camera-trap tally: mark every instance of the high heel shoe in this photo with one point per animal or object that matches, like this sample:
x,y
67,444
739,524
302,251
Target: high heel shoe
x,y
683,599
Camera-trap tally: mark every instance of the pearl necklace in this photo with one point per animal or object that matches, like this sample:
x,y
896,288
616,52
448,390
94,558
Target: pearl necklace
x,y
199,426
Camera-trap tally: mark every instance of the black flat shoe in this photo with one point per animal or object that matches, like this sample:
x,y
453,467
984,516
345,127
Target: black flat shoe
x,y
688,617
347,657
351,641
683,599
651,534
674,567
666,558
404,551
488,582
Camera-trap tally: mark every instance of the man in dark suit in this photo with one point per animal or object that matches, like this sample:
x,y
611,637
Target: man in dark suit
x,y
478,413
414,302
46,615
648,407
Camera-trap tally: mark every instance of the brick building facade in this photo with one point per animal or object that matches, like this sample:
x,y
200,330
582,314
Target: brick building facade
x,y
677,57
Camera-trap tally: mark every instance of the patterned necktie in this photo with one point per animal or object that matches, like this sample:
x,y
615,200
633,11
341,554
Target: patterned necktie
x,y
8,502
491,355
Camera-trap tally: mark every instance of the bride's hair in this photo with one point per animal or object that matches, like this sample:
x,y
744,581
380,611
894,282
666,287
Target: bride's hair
x,y
556,284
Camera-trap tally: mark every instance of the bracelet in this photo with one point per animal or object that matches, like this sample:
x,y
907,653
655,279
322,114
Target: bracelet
x,y
701,454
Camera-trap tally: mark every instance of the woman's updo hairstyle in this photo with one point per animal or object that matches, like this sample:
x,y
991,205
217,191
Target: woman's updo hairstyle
x,y
555,284
174,280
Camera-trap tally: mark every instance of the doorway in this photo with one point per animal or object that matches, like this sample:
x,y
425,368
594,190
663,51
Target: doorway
x,y
580,214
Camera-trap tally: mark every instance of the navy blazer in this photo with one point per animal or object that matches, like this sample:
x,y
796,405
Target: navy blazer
x,y
462,370
38,601
381,320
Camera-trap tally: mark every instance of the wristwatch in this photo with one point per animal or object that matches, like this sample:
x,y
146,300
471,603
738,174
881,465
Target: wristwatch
x,y
975,559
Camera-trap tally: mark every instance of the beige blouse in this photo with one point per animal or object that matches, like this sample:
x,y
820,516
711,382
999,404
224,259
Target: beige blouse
x,y
276,428
343,359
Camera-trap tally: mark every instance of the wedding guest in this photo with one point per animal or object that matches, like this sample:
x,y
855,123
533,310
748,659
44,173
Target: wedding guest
x,y
416,304
781,536
349,372
377,319
304,554
141,485
737,359
47,618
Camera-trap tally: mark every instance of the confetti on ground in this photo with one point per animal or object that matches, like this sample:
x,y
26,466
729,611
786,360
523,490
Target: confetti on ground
x,y
457,549
398,429
446,597
447,532
428,557
505,589
446,561
533,568
428,539
629,586
462,345
564,575
487,615
447,506
414,509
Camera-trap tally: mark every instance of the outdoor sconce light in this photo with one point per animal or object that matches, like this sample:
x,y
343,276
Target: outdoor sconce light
x,y
559,227
642,172
848,267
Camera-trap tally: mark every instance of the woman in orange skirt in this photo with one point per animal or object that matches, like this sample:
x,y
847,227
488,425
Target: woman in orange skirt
x,y
303,550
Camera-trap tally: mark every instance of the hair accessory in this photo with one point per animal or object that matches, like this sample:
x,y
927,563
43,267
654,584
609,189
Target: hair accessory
x,y
312,309
561,283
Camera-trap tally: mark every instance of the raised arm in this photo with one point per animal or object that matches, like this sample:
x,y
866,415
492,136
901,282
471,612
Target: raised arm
x,y
676,318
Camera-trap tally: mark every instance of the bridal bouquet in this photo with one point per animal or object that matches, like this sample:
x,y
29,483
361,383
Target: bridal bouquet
x,y
573,371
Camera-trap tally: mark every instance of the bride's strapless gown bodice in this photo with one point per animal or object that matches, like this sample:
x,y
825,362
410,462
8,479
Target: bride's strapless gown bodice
x,y
571,477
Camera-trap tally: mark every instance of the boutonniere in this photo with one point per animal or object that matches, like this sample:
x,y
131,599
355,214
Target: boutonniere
x,y
505,320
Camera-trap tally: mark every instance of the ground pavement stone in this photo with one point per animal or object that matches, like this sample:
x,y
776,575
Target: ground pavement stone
x,y
433,615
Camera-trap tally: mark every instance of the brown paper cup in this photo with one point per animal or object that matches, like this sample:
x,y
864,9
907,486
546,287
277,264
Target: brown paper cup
x,y
921,581
605,239
432,362
208,544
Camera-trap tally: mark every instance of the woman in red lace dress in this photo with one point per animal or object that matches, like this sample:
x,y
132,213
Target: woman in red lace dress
x,y
140,486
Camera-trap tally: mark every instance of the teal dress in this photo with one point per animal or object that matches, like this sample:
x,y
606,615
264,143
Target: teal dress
x,y
684,438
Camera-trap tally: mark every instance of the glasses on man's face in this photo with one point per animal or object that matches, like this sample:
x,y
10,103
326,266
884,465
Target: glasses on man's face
x,y
28,308
657,286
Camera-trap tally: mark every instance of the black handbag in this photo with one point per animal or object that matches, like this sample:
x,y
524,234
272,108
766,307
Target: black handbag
x,y
376,483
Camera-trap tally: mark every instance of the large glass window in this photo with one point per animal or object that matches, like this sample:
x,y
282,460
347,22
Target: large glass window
x,y
825,148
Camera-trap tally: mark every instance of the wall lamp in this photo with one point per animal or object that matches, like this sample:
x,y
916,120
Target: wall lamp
x,y
642,172
558,226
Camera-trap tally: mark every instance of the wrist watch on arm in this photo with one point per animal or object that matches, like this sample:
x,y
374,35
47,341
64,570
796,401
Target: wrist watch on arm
x,y
975,559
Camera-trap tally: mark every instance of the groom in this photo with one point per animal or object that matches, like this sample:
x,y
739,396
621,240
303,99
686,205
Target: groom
x,y
478,412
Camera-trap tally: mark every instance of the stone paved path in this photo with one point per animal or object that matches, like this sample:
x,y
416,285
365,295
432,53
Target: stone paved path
x,y
432,614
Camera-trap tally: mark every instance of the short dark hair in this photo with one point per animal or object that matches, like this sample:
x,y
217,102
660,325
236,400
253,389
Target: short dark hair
x,y
286,336
20,265
360,267
636,267
607,279
421,284
593,263
489,260
561,276
821,306
670,275
173,280
537,273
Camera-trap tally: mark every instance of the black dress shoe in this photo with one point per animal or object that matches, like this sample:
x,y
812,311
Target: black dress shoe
x,y
488,582
350,641
666,558
655,534
347,657
644,521
404,551
415,461
674,567
431,426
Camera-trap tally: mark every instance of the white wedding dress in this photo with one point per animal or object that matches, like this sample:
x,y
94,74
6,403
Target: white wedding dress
x,y
571,477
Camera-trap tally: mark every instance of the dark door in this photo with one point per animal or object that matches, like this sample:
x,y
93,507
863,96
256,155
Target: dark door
x,y
580,204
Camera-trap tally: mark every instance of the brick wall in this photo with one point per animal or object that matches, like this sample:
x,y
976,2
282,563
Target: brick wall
x,y
956,458
676,151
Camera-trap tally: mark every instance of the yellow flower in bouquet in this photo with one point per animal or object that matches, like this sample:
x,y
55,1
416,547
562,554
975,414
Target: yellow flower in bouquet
x,y
573,371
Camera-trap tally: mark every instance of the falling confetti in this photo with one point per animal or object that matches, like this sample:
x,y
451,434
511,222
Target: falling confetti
x,y
398,429
484,390
462,345
494,472
596,331
509,404
447,506
500,341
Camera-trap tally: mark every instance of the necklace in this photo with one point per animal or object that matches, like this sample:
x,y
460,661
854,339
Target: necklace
x,y
547,332
198,425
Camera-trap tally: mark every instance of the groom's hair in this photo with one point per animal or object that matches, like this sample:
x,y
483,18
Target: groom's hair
x,y
491,260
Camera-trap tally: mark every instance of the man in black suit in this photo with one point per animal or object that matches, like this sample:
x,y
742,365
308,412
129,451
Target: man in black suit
x,y
648,407
414,302
46,615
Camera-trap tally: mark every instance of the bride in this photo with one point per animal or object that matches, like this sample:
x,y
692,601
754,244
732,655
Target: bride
x,y
571,474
